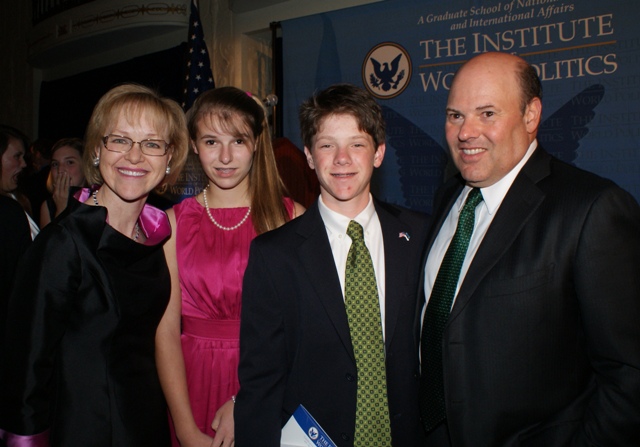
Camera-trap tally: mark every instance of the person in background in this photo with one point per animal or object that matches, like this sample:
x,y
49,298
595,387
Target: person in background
x,y
15,238
15,223
298,177
33,181
65,173
40,154
80,341
538,340
198,338
315,330
13,144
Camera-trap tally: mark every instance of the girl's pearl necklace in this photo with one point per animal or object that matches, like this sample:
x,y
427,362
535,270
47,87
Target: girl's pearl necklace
x,y
206,207
136,229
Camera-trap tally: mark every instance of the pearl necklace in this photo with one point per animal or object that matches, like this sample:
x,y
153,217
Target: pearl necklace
x,y
206,207
136,234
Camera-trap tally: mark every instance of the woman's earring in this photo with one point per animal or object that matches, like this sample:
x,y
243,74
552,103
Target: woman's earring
x,y
168,171
96,161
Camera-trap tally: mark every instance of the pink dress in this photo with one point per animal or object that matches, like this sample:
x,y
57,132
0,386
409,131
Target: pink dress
x,y
211,265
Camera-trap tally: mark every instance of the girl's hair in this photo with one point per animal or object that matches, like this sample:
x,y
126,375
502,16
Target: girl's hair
x,y
133,100
239,113
75,143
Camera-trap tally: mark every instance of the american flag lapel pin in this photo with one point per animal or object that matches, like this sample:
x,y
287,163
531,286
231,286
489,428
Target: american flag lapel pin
x,y
405,235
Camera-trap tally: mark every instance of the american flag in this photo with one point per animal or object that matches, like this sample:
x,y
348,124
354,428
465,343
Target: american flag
x,y
198,77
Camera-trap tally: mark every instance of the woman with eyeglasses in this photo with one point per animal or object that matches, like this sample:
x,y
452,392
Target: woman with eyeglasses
x,y
79,365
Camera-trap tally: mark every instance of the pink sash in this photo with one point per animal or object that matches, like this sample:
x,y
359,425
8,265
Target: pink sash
x,y
215,329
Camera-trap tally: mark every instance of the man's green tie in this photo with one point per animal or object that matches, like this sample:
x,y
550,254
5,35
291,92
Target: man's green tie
x,y
363,311
432,405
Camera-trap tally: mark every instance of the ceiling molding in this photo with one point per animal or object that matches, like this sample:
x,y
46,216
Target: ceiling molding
x,y
102,26
242,6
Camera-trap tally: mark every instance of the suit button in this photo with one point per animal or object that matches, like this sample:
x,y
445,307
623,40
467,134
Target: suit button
x,y
350,378
344,436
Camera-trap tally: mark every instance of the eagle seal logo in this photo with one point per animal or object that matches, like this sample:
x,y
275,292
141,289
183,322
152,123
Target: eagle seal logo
x,y
313,433
386,71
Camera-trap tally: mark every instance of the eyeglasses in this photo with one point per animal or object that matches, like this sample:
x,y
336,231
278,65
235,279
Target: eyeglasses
x,y
118,143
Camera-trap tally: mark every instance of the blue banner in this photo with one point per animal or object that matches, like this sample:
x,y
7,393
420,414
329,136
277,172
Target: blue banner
x,y
302,430
405,52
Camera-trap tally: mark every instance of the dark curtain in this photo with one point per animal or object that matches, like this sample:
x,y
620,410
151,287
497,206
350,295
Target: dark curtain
x,y
66,104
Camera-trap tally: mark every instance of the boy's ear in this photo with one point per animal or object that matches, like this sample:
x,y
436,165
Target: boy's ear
x,y
307,153
379,155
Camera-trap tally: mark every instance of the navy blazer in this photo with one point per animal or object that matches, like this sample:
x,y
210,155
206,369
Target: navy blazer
x,y
295,346
542,347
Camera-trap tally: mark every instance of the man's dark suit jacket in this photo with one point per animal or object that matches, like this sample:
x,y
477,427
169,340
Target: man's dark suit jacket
x,y
295,346
542,347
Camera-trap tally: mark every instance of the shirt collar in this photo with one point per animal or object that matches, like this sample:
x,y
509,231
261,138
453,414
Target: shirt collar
x,y
494,195
338,223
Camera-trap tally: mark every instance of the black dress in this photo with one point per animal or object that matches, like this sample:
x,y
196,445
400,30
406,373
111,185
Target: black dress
x,y
80,345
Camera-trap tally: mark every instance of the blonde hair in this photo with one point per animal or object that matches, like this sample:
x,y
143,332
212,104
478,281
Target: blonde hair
x,y
239,113
133,100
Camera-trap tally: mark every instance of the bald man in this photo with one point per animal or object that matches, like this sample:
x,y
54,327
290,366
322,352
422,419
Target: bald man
x,y
535,338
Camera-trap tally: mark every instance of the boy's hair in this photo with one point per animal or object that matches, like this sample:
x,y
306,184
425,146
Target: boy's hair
x,y
342,99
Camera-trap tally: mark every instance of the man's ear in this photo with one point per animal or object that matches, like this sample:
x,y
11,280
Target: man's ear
x,y
307,153
533,115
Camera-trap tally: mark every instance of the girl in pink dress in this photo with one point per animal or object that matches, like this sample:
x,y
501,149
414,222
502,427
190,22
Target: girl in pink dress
x,y
198,337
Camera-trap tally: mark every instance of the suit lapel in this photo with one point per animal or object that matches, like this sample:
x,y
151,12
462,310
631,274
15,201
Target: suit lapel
x,y
523,198
449,195
446,199
395,249
317,261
